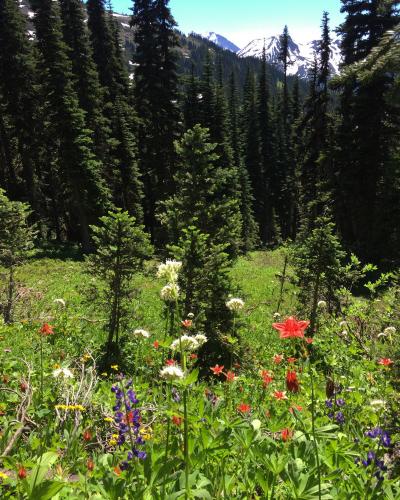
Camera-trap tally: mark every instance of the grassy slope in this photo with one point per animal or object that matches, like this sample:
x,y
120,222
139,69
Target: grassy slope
x,y
45,280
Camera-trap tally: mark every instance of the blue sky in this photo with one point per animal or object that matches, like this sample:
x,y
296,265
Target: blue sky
x,y
243,20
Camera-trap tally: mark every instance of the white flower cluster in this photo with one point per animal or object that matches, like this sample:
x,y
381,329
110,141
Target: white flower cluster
x,y
188,343
60,302
321,304
170,292
142,333
171,372
389,331
63,372
235,304
169,270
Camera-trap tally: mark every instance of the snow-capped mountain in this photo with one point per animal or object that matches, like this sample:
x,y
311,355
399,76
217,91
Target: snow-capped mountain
x,y
301,56
221,41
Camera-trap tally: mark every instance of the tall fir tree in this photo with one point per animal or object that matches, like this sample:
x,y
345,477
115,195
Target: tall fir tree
x,y
122,170
251,148
192,108
156,94
74,174
365,132
19,99
314,135
268,231
250,236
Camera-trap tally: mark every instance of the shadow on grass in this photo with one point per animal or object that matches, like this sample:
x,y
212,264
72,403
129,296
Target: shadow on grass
x,y
48,250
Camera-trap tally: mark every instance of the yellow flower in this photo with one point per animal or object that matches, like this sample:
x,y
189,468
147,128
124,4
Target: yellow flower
x,y
104,374
3,476
114,367
108,419
146,434
56,366
70,407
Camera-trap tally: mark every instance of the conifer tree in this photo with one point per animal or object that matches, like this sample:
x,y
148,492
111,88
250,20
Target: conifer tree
x,y
192,109
203,198
314,129
268,190
121,170
365,130
19,100
156,91
74,166
250,235
251,149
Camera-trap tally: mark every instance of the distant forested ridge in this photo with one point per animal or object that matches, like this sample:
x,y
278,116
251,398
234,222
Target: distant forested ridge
x,y
95,114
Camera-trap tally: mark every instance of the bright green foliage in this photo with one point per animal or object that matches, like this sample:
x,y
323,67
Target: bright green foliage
x,y
16,238
203,194
121,248
318,261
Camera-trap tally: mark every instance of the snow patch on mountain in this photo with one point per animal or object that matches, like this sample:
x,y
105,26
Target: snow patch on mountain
x,y
301,56
221,41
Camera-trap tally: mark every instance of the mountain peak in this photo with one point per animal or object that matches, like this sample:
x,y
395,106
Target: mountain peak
x,y
301,56
221,41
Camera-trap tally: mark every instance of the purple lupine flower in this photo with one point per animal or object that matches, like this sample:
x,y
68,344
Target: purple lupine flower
x,y
385,439
175,395
340,402
339,418
371,456
328,403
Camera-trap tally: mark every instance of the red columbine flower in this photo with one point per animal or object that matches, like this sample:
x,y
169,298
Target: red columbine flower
x,y
286,434
170,362
156,344
187,323
87,435
292,383
90,465
291,328
177,420
267,377
217,370
244,408
309,340
230,376
46,329
278,358
385,362
193,356
279,395
291,360
21,472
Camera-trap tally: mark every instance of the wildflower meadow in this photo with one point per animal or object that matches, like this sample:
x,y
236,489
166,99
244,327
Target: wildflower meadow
x,y
290,412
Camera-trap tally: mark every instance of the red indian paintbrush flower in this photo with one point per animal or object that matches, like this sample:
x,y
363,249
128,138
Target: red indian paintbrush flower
x,y
291,328
286,434
295,407
385,362
87,436
177,420
170,362
90,464
187,323
244,408
21,472
267,377
278,358
292,383
156,344
291,360
230,376
217,370
46,329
